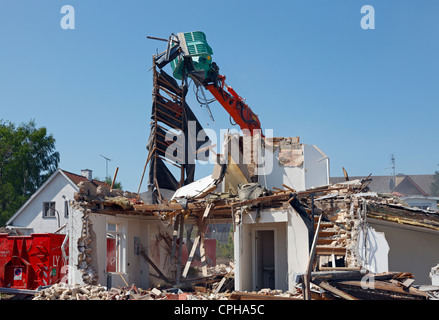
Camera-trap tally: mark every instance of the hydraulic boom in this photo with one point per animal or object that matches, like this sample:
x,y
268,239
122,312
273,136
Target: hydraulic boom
x,y
191,56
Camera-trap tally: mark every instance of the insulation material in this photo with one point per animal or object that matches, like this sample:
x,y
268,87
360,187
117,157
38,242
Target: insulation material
x,y
290,157
196,189
290,151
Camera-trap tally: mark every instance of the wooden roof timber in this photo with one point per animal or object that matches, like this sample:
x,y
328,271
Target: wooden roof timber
x,y
221,206
201,205
197,206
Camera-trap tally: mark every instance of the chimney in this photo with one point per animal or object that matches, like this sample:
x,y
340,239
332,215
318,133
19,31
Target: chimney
x,y
87,173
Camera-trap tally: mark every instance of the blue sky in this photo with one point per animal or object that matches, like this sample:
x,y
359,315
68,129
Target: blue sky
x,y
307,68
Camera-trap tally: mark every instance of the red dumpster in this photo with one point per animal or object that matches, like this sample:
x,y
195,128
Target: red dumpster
x,y
27,262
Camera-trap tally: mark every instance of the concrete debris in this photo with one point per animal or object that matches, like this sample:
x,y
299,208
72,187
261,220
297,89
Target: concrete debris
x,y
63,291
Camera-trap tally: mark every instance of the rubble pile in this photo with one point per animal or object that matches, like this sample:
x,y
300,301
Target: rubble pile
x,y
63,291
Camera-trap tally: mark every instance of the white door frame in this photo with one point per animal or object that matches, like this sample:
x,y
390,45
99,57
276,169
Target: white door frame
x,y
254,257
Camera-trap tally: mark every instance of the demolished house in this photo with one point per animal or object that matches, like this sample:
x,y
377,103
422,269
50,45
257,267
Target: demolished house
x,y
293,235
317,243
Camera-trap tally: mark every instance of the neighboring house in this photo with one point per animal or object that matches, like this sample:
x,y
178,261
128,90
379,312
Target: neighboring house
x,y
421,202
413,189
48,210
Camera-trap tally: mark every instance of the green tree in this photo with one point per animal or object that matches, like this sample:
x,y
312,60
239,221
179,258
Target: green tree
x,y
27,159
225,250
117,184
434,187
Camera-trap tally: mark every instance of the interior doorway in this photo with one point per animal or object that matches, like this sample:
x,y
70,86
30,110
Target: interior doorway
x,y
265,268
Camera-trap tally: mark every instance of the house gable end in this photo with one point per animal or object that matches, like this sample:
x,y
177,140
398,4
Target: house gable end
x,y
408,187
37,193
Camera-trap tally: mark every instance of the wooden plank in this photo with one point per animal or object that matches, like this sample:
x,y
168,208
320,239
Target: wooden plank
x,y
114,179
174,240
291,189
126,283
407,283
340,274
326,286
326,234
282,196
307,276
340,269
148,259
385,286
324,224
256,296
144,169
191,256
234,176
168,206
206,212
324,241
223,280
327,250
202,230
180,249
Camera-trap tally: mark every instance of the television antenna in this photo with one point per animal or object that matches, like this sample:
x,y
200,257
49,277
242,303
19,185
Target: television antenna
x,y
106,164
392,158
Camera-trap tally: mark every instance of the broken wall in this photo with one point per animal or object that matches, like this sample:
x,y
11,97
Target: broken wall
x,y
100,215
373,250
299,166
88,259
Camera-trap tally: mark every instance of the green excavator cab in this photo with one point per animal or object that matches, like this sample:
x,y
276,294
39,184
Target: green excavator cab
x,y
194,45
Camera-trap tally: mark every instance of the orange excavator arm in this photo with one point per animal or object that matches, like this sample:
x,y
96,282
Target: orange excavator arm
x,y
190,56
235,106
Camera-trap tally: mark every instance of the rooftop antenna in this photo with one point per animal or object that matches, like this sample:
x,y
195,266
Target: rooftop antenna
x,y
106,164
392,158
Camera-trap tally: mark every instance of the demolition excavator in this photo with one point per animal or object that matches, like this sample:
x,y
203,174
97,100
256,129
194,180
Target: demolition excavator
x,y
190,56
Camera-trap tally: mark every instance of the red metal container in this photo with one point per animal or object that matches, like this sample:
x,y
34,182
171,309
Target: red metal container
x,y
27,262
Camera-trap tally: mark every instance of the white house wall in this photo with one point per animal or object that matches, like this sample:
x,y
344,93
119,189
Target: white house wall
x,y
32,215
132,266
291,246
243,257
412,249
74,228
298,247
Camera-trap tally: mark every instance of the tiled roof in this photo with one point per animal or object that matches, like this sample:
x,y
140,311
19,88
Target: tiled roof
x,y
424,181
76,179
386,184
